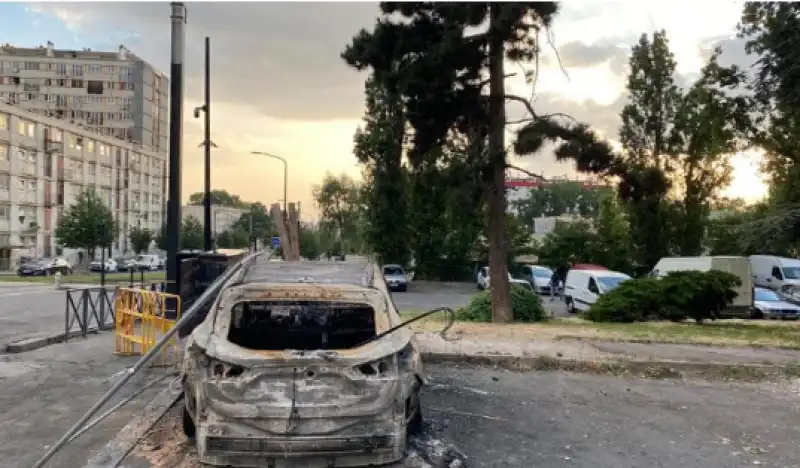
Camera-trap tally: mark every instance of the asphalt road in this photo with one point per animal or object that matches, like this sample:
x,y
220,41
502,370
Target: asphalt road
x,y
494,419
554,420
29,310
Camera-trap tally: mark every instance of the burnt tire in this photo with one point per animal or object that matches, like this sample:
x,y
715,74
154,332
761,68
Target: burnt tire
x,y
188,424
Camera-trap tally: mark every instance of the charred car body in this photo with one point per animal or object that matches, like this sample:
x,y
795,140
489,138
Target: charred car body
x,y
291,366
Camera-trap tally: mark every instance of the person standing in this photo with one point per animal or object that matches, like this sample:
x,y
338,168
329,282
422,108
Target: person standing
x,y
555,285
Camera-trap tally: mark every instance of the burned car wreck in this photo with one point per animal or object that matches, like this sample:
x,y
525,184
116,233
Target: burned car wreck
x,y
293,364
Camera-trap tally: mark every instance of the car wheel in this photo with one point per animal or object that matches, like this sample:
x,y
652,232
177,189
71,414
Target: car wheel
x,y
570,305
756,314
403,288
188,424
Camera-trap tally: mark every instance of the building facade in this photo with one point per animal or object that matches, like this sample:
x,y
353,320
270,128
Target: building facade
x,y
113,93
222,217
46,162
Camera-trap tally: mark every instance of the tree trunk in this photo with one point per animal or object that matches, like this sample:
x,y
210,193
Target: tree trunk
x,y
501,303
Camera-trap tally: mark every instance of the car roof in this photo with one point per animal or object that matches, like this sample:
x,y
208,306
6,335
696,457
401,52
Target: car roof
x,y
348,272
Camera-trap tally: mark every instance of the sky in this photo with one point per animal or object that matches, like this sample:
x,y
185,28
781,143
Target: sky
x,y
280,86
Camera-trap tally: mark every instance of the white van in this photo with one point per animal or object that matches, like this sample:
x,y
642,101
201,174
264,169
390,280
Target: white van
x,y
775,272
147,262
583,287
739,266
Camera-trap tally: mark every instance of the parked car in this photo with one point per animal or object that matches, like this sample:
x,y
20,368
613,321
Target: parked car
x,y
303,367
34,268
777,273
482,281
767,304
148,262
582,288
125,264
539,277
110,266
395,277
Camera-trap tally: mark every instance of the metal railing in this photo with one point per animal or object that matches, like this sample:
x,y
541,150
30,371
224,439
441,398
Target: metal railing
x,y
145,360
91,309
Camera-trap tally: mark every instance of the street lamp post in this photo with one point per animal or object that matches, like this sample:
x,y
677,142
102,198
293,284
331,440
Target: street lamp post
x,y
285,175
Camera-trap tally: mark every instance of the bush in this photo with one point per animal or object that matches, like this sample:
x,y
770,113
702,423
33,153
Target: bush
x,y
680,295
526,306
635,300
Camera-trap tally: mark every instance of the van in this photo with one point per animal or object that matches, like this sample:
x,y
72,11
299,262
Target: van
x,y
739,266
147,262
583,287
775,272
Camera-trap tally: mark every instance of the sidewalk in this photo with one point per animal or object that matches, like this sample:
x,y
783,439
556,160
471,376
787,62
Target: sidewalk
x,y
508,350
44,392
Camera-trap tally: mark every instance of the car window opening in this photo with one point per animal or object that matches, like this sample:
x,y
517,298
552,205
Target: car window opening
x,y
300,325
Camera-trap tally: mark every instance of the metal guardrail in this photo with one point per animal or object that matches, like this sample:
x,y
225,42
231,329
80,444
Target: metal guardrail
x,y
91,309
207,295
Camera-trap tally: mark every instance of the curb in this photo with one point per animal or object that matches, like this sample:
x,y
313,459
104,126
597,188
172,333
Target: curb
x,y
35,342
112,453
655,369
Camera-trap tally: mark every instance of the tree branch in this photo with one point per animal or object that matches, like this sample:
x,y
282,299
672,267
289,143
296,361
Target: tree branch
x,y
527,172
486,81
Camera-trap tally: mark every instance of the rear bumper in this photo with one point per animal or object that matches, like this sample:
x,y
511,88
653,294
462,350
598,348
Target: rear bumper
x,y
242,444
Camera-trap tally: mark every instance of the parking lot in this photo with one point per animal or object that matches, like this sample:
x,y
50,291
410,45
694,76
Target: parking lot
x,y
423,295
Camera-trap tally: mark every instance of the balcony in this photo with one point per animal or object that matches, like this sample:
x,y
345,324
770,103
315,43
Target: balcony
x,y
27,196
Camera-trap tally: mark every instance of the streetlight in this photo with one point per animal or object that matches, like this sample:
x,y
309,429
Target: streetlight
x,y
285,174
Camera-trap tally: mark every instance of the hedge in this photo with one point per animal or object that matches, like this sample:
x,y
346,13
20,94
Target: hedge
x,y
680,295
526,306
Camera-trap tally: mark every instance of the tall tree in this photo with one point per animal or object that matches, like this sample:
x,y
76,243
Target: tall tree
x,y
710,124
612,246
378,146
646,134
263,228
772,30
338,200
87,224
431,54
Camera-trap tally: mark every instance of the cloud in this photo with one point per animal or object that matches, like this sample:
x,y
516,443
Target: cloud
x,y
579,54
280,58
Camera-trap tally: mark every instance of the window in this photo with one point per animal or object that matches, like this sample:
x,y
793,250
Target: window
x,y
27,185
5,212
94,87
776,273
103,150
105,171
90,146
26,128
593,286
26,156
5,182
56,135
3,153
29,212
3,121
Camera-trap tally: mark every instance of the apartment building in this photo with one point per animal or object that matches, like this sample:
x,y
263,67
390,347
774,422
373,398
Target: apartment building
x,y
222,217
113,93
46,162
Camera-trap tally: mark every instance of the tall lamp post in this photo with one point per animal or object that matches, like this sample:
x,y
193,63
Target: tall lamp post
x,y
207,144
285,174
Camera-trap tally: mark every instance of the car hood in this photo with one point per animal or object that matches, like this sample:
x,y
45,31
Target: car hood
x,y
33,265
772,305
541,281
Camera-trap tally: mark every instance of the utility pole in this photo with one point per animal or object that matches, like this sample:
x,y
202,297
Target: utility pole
x,y
207,242
178,18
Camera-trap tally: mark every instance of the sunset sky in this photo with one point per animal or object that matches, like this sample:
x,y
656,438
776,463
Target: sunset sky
x,y
278,84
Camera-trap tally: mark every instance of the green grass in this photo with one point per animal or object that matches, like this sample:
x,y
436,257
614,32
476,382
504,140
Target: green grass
x,y
744,333
92,278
